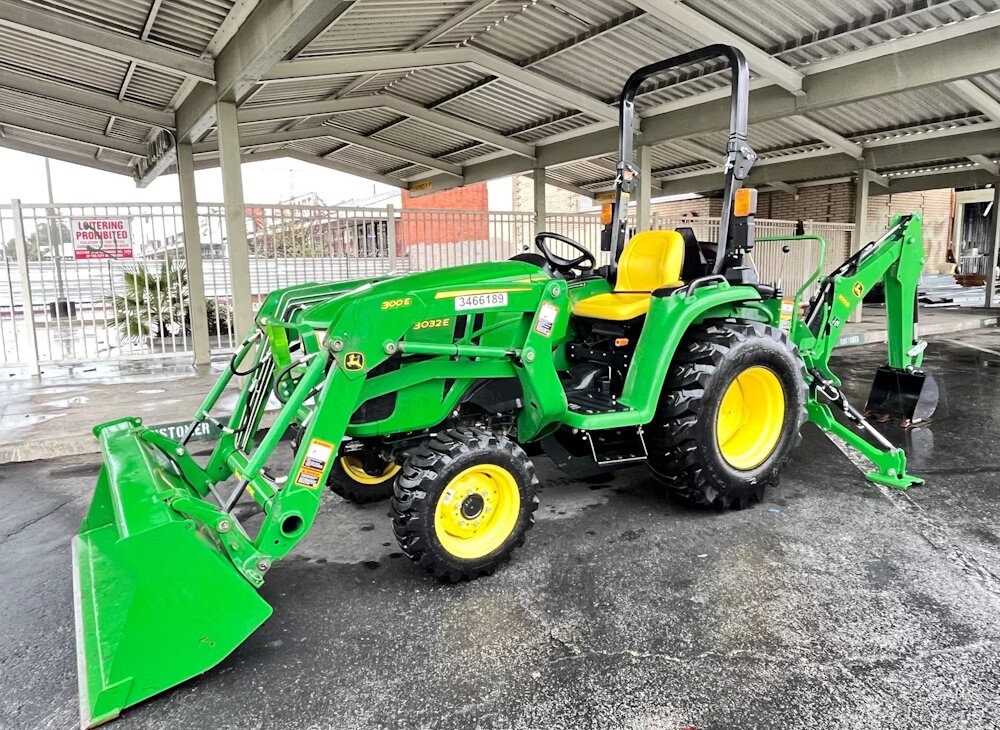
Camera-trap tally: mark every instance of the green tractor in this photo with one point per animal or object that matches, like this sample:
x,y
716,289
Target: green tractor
x,y
437,389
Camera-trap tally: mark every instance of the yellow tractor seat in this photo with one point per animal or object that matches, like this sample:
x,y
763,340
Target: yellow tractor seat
x,y
651,260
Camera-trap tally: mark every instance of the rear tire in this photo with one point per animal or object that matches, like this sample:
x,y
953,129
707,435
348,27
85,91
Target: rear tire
x,y
463,502
349,479
729,414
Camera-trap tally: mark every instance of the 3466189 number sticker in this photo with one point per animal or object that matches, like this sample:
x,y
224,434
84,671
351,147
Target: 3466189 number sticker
x,y
481,301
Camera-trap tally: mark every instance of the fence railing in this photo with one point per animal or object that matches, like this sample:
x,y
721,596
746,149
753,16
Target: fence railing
x,y
86,282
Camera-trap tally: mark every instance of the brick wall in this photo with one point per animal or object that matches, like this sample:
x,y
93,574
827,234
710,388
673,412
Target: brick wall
x,y
826,204
417,229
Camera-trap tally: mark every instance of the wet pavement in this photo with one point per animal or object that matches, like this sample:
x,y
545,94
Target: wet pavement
x,y
835,604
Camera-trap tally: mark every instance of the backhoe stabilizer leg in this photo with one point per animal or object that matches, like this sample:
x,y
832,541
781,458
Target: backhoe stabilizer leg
x,y
889,460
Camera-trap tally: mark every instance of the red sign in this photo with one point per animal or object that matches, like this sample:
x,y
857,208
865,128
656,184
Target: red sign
x,y
102,238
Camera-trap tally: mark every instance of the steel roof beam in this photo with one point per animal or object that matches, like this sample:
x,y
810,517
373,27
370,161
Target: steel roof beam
x,y
32,123
63,156
343,135
979,99
351,65
63,29
907,43
209,163
387,101
457,19
825,134
348,169
267,35
950,60
699,151
899,155
784,187
706,31
971,177
564,186
986,164
89,99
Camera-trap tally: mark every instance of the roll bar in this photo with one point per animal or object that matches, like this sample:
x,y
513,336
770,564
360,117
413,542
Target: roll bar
x,y
739,155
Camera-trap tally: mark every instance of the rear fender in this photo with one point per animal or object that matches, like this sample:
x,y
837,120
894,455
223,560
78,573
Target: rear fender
x,y
669,318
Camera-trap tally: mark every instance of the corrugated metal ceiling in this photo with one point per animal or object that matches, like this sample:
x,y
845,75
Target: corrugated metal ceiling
x,y
588,47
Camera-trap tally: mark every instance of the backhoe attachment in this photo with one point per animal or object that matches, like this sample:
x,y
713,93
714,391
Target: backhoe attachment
x,y
901,390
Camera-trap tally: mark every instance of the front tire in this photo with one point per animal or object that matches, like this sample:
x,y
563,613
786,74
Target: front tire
x,y
730,413
463,502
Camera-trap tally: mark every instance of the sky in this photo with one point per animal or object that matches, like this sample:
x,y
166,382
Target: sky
x,y
271,181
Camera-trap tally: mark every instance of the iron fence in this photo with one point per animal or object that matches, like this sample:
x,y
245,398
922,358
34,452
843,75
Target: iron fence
x,y
86,282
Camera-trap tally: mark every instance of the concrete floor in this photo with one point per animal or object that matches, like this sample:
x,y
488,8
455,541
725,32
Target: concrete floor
x,y
836,604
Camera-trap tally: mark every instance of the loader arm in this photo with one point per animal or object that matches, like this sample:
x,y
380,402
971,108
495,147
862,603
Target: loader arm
x,y
897,259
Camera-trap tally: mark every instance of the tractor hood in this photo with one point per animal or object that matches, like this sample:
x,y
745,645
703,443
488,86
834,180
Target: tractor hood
x,y
414,289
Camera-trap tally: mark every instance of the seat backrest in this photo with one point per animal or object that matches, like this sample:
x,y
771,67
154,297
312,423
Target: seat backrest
x,y
650,261
695,264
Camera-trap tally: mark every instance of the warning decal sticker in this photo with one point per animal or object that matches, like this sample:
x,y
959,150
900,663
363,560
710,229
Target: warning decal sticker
x,y
318,455
546,319
308,478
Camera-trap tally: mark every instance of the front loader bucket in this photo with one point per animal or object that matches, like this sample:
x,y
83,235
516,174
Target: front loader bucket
x,y
156,600
909,397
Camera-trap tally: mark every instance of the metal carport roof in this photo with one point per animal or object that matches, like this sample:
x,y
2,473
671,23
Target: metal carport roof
x,y
432,94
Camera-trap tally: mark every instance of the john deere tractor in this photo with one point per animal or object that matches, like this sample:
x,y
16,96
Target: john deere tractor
x,y
439,388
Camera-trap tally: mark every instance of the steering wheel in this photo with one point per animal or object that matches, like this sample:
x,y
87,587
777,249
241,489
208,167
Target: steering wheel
x,y
584,262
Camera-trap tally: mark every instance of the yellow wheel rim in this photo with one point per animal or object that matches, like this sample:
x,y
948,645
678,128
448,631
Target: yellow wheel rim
x,y
353,468
477,511
750,419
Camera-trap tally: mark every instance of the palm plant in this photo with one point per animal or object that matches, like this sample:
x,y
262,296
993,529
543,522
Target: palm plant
x,y
153,301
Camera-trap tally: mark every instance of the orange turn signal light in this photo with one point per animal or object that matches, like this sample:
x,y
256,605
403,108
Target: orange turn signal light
x,y
607,214
745,203
621,341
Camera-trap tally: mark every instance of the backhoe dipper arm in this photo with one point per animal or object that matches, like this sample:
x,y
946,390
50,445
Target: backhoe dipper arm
x,y
897,259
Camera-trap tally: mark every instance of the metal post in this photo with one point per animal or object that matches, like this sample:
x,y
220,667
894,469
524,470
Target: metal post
x,y
27,305
57,249
236,226
643,213
194,264
541,212
860,238
993,237
390,235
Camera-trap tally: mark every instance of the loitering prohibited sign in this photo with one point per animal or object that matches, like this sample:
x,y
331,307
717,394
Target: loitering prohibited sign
x,y
102,238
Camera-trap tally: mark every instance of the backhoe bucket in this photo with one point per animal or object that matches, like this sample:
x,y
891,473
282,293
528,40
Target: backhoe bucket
x,y
156,600
909,397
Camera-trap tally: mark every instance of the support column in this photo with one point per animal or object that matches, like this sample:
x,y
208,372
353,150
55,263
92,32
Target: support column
x,y
27,304
236,226
193,256
993,240
643,214
390,234
541,210
860,238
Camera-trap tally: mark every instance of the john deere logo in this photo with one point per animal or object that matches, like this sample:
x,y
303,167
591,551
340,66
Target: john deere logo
x,y
858,289
354,361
